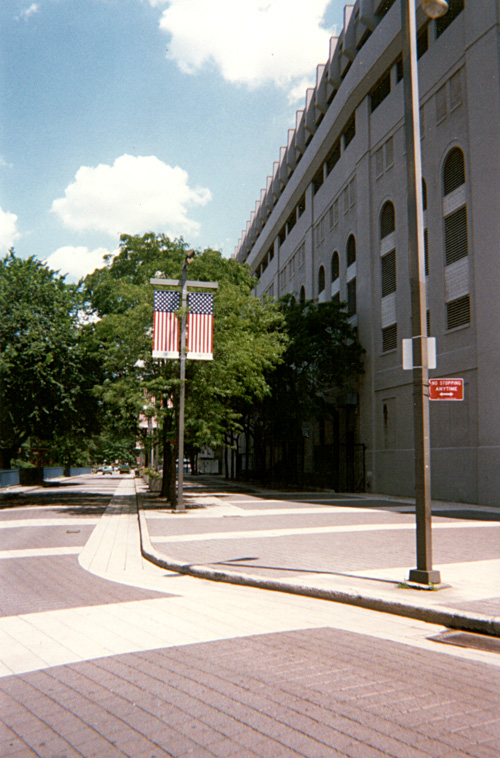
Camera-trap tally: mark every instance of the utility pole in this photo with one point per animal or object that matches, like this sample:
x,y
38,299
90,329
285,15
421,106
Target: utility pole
x,y
182,388
424,573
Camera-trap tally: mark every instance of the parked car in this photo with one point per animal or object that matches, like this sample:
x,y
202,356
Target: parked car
x,y
105,470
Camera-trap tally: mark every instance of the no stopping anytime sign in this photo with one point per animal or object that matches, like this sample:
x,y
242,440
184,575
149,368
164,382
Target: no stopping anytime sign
x,y
446,389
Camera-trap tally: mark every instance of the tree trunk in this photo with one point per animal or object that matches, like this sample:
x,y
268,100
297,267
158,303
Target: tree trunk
x,y
165,466
226,458
172,481
235,456
193,459
6,454
168,484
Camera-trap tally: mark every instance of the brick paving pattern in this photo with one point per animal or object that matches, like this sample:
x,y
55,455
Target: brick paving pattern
x,y
342,551
310,693
29,587
308,517
71,535
307,694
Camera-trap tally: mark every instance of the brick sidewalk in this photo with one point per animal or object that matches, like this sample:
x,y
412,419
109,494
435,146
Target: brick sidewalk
x,y
331,542
305,694
215,670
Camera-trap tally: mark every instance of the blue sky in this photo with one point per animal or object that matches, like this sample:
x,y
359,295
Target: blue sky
x,y
128,116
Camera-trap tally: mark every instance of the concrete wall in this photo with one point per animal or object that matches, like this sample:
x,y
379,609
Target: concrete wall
x,y
465,437
9,477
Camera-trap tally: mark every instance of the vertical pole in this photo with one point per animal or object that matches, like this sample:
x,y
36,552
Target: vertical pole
x,y
152,451
423,574
182,390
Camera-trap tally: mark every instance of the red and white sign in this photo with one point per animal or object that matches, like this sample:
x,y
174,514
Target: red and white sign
x,y
446,389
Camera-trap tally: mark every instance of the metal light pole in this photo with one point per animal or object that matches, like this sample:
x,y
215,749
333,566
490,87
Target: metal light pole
x,y
182,390
424,573
184,284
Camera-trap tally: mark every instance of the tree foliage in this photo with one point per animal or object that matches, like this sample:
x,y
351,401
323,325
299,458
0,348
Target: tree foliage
x,y
323,360
320,368
41,386
76,366
248,342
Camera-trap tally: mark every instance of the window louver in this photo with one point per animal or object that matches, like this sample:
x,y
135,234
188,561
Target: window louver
x,y
458,312
389,338
455,236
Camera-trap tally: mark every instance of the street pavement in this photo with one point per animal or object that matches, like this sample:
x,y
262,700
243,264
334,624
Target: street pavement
x,y
103,653
357,549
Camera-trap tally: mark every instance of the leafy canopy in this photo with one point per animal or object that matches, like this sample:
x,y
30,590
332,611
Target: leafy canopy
x,y
40,357
248,340
322,363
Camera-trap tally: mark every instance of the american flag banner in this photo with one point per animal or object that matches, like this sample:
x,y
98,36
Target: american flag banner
x,y
166,324
200,326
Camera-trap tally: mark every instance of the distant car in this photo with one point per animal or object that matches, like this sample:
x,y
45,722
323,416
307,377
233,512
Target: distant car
x,y
106,469
124,468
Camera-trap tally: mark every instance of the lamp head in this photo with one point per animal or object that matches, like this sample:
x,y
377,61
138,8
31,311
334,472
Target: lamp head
x,y
434,8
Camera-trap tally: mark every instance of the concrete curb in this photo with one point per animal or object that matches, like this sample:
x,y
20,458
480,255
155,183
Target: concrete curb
x,y
440,615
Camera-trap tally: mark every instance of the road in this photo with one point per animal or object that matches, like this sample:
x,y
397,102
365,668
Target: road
x,y
105,655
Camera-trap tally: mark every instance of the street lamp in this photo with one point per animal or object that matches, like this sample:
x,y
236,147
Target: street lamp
x,y
424,573
434,8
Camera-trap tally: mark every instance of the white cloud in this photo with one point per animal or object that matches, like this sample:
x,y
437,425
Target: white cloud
x,y
252,42
8,230
33,8
77,262
298,91
133,196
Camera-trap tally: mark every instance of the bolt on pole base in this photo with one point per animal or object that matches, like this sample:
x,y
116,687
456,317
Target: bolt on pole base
x,y
420,576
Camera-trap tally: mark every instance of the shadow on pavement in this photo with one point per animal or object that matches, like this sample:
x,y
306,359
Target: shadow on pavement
x,y
77,503
236,563
333,499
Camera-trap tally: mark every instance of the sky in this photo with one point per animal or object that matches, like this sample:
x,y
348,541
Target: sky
x,y
134,116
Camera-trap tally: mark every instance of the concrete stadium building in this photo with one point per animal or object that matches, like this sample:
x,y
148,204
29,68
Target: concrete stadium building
x,y
332,223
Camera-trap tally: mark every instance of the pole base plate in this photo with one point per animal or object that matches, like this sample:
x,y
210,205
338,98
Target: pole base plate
x,y
420,576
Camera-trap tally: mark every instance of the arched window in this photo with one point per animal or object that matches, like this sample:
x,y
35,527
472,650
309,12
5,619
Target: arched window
x,y
335,266
351,250
321,279
387,220
455,216
302,295
456,244
453,171
388,278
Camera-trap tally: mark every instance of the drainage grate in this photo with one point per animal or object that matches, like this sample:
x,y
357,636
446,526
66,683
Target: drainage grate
x,y
469,640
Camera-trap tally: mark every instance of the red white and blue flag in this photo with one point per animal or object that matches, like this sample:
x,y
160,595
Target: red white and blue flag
x,y
200,326
166,324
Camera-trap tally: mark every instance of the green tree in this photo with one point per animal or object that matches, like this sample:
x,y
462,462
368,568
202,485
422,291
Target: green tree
x,y
41,393
321,367
323,356
248,343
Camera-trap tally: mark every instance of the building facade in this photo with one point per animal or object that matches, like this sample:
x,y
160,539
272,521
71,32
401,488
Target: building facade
x,y
332,223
